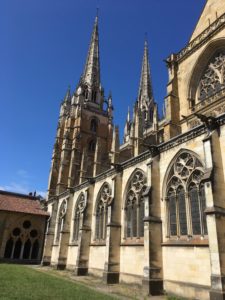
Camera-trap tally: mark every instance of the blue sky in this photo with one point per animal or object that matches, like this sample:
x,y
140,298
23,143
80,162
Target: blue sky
x,y
43,50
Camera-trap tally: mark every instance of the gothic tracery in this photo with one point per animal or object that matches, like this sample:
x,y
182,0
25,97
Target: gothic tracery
x,y
185,195
213,80
134,208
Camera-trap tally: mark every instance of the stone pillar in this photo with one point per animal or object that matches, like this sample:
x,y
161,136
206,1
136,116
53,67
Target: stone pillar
x,y
152,278
113,235
84,238
49,237
65,235
215,215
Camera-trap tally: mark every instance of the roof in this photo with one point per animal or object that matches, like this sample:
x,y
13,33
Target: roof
x,y
21,203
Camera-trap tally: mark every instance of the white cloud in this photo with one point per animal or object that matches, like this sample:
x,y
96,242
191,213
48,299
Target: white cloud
x,y
21,185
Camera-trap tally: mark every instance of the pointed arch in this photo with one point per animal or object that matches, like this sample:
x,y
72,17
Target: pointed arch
x,y
77,219
133,204
185,201
60,219
103,200
204,59
171,164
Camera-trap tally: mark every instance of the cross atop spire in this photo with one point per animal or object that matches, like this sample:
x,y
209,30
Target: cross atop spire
x,y
91,74
145,94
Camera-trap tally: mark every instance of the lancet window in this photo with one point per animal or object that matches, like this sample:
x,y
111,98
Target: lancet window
x,y
77,222
134,206
186,198
61,218
213,79
23,242
103,201
94,125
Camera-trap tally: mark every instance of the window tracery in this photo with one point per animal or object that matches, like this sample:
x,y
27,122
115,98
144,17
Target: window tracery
x,y
79,209
134,207
213,79
185,197
61,217
103,201
23,242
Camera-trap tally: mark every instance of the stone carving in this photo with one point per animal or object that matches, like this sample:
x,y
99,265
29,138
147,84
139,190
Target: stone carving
x,y
213,79
105,195
63,208
136,187
185,169
81,205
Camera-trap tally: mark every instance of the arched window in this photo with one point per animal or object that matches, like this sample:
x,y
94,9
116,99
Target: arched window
x,y
61,217
213,78
8,248
94,125
20,242
86,92
94,96
79,208
151,115
134,206
185,197
35,250
27,249
17,249
91,146
101,215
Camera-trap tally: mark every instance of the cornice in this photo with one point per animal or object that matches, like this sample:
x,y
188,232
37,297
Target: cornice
x,y
201,39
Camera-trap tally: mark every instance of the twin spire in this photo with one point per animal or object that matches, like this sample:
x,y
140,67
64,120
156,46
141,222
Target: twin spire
x,y
91,74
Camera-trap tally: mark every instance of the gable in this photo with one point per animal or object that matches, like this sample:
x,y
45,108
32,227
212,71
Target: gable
x,y
212,10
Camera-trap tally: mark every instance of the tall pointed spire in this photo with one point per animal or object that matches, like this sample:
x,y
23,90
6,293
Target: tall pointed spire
x,y
145,94
91,74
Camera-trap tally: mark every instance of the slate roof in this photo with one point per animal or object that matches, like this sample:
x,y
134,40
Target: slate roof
x,y
21,203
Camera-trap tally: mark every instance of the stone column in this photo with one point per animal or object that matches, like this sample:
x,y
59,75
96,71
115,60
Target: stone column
x,y
152,278
112,255
49,237
65,235
84,238
215,214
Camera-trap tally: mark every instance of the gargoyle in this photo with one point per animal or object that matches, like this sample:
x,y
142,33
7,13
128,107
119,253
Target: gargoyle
x,y
210,122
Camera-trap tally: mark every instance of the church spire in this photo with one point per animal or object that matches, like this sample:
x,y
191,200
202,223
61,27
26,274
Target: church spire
x,y
145,95
91,74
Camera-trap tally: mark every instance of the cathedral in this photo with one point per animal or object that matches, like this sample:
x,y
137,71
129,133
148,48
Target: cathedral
x,y
149,211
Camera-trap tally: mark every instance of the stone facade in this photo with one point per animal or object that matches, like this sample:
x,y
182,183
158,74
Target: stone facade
x,y
152,210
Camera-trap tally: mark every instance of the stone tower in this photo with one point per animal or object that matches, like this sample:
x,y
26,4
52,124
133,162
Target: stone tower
x,y
84,133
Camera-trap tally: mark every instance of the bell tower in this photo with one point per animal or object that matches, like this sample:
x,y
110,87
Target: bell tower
x,y
84,133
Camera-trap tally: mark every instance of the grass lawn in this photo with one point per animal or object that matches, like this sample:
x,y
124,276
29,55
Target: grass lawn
x,y
23,283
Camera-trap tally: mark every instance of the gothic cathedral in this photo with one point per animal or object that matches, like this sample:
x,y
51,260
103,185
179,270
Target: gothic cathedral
x,y
149,211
